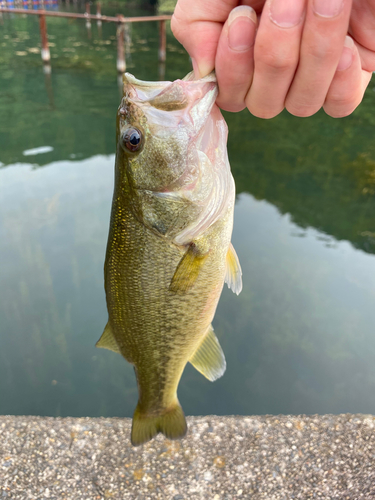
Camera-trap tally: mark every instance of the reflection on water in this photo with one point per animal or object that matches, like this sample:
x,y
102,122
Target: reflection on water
x,y
53,229
299,338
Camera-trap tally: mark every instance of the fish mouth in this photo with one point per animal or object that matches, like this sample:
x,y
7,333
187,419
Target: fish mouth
x,y
181,98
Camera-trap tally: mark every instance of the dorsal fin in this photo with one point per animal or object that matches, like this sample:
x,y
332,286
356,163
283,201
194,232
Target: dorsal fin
x,y
107,340
209,358
233,272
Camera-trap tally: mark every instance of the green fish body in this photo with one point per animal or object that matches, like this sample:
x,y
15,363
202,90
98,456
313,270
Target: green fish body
x,y
169,250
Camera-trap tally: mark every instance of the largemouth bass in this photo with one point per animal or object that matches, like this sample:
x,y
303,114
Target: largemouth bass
x,y
169,249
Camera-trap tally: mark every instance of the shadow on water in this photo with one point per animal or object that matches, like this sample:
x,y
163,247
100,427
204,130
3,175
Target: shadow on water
x,y
298,339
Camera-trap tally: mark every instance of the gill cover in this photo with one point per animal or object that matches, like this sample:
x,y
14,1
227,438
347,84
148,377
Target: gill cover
x,y
181,174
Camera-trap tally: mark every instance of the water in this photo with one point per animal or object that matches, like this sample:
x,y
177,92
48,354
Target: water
x,y
300,337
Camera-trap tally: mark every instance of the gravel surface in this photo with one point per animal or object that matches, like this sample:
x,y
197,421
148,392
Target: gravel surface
x,y
222,458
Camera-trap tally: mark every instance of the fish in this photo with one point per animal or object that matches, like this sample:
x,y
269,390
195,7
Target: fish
x,y
169,248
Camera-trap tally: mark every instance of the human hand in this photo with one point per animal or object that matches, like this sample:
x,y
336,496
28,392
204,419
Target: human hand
x,y
299,57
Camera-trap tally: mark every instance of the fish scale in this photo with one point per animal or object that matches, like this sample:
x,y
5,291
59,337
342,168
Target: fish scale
x,y
162,292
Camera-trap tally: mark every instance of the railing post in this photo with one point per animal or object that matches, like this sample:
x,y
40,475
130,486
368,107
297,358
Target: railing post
x,y
163,41
121,64
99,13
88,22
46,56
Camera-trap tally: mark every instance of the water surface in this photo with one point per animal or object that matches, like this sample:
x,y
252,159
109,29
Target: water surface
x,y
300,337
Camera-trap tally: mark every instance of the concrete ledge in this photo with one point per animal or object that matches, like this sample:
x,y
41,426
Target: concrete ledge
x,y
222,458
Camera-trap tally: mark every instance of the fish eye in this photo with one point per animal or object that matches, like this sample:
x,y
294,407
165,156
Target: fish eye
x,y
132,139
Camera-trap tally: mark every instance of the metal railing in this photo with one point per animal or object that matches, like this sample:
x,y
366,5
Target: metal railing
x,y
120,20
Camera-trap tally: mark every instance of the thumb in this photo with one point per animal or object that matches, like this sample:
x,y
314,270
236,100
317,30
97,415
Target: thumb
x,y
200,39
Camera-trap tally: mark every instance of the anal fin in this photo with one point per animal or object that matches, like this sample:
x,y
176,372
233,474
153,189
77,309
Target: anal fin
x,y
209,358
107,340
233,272
188,270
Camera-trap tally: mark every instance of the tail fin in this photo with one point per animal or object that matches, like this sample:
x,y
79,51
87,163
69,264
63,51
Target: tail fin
x,y
171,423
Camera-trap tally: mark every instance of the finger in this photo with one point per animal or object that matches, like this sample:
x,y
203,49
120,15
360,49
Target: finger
x,y
362,20
348,85
197,26
326,25
276,54
367,58
234,62
361,28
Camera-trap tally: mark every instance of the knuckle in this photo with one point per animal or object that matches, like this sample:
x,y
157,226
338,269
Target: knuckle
x,y
340,109
180,24
175,26
340,98
276,61
302,104
321,52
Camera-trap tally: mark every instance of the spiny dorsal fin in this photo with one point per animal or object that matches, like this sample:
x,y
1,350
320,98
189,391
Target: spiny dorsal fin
x,y
187,270
233,273
107,340
209,358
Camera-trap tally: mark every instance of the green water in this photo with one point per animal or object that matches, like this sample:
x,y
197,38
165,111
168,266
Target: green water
x,y
299,339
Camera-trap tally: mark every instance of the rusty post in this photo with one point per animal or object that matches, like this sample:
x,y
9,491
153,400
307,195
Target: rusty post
x,y
46,56
163,41
121,64
98,14
88,22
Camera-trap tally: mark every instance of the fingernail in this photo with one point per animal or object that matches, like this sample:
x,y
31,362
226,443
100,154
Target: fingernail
x,y
286,13
241,28
201,69
347,55
328,8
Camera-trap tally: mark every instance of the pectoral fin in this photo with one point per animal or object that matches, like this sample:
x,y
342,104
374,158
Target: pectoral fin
x,y
233,273
209,358
107,340
187,270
